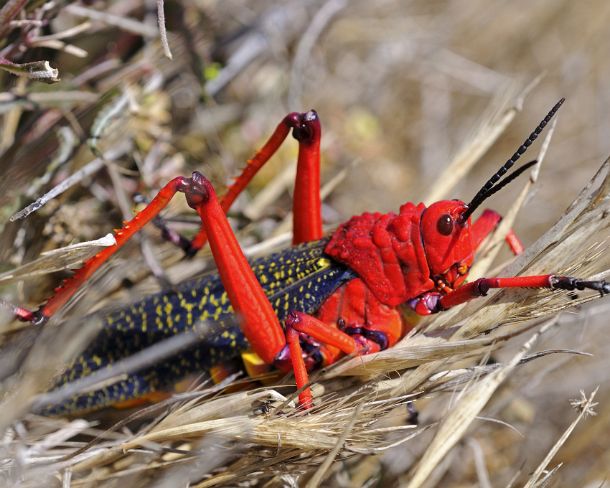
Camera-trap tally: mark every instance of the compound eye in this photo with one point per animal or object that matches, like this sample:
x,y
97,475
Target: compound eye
x,y
445,225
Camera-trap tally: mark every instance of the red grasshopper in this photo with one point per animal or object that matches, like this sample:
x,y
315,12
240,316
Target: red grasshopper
x,y
308,305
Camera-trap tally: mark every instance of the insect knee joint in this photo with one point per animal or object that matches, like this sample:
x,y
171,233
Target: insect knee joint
x,y
197,189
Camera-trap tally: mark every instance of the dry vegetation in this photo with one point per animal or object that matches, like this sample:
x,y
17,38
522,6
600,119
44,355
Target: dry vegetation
x,y
90,102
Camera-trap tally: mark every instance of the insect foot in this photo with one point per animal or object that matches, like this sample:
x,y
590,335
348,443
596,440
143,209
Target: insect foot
x,y
569,283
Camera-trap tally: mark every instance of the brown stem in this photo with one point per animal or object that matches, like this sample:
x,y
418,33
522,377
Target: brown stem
x,y
7,13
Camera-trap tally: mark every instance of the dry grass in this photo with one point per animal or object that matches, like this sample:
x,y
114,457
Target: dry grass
x,y
420,101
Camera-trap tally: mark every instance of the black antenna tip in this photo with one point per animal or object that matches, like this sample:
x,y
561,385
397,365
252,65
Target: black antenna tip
x,y
486,189
555,108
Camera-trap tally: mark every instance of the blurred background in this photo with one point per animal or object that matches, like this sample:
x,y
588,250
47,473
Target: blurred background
x,y
402,87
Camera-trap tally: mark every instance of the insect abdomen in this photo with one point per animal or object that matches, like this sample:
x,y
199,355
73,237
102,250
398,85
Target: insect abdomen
x,y
297,279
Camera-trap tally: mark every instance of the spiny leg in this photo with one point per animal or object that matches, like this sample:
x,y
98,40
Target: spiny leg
x,y
308,224
259,322
306,205
433,302
481,286
69,287
258,319
167,233
307,219
320,331
298,367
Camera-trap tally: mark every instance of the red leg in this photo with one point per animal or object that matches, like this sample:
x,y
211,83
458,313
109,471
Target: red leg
x,y
301,322
67,289
307,218
306,204
486,223
298,366
480,287
363,325
259,322
322,332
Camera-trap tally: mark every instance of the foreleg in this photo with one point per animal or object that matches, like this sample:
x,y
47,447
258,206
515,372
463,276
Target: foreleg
x,y
481,286
433,302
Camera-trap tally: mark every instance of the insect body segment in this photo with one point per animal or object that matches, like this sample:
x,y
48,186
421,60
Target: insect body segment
x,y
307,306
386,251
296,279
